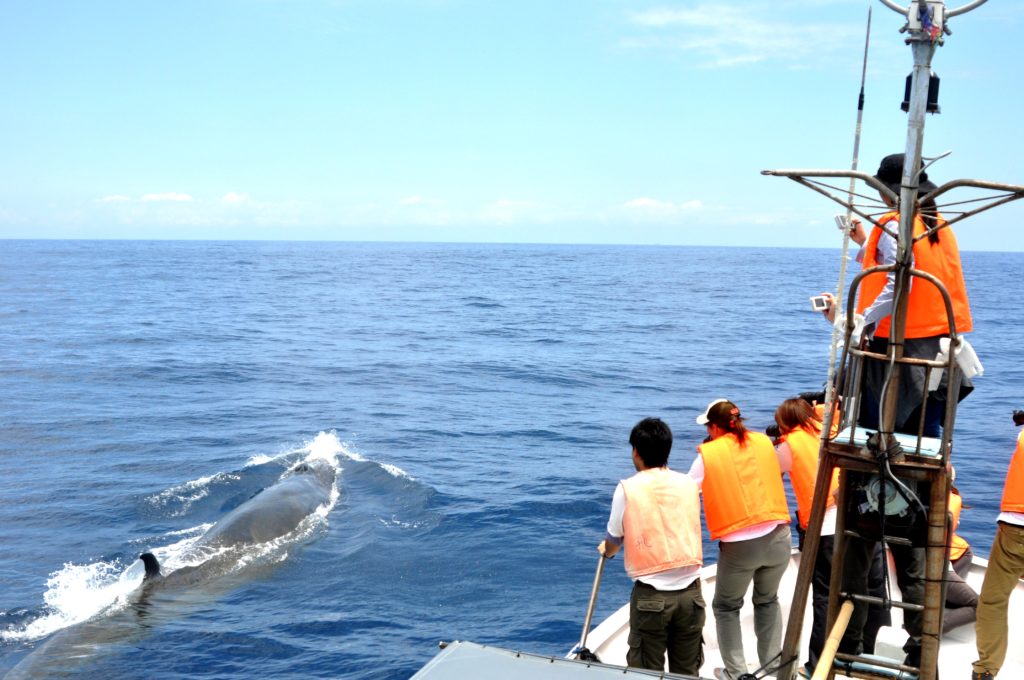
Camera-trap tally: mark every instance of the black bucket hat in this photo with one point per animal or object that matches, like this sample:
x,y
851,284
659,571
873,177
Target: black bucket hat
x,y
890,173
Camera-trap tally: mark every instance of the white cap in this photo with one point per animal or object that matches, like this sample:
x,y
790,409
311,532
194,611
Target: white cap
x,y
702,419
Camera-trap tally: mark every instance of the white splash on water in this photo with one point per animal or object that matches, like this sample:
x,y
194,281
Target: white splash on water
x,y
396,471
188,493
79,592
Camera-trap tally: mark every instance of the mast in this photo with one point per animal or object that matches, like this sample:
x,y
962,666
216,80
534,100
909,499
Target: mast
x,y
890,456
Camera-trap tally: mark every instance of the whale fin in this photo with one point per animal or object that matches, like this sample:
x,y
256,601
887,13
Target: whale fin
x,y
152,565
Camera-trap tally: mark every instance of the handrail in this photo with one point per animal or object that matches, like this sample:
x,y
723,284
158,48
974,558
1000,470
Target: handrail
x,y
1013,191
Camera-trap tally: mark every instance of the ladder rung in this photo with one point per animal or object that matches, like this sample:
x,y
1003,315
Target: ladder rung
x,y
871,599
894,540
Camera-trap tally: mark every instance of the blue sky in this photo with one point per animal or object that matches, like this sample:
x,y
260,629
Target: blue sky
x,y
554,121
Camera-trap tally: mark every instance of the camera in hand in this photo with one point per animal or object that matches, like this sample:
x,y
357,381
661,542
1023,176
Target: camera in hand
x,y
1018,417
773,431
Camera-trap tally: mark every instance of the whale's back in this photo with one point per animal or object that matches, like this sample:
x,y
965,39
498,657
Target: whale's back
x,y
270,514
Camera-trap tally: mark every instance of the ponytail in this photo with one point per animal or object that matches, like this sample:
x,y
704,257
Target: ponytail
x,y
726,416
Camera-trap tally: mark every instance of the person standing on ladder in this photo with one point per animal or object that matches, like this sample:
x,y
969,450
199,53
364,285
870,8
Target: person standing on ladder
x,y
934,251
1005,568
655,517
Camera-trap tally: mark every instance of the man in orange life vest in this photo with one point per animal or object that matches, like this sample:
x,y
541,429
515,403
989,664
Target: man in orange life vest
x,y
745,508
655,518
1005,568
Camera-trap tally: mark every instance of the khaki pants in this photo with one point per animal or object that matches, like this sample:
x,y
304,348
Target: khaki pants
x,y
1005,569
761,560
669,621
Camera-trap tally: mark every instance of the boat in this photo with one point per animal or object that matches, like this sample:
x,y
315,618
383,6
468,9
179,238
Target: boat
x,y
608,641
602,651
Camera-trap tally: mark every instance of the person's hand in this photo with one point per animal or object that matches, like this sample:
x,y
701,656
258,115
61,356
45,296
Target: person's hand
x,y
607,550
830,311
857,232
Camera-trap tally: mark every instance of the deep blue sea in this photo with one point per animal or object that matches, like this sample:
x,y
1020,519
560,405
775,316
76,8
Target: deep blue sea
x,y
476,399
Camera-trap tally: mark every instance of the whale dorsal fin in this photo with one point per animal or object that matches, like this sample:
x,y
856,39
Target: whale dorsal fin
x,y
152,565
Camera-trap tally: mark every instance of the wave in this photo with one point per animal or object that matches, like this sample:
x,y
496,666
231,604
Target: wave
x,y
185,495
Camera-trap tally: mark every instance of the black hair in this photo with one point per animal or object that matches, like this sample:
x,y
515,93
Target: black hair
x,y
652,439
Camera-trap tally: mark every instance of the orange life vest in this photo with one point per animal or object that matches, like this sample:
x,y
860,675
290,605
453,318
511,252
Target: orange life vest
x,y
957,545
804,447
819,412
1013,490
661,522
742,484
926,312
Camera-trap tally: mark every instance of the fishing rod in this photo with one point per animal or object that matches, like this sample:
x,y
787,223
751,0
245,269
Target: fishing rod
x,y
841,284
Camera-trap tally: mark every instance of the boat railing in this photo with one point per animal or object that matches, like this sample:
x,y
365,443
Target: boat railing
x,y
927,450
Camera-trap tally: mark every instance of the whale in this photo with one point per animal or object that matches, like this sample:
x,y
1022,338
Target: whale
x,y
271,514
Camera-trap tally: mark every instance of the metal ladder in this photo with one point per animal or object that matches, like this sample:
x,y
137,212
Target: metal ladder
x,y
923,461
909,457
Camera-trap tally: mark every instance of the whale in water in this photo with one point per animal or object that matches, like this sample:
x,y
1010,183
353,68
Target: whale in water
x,y
270,514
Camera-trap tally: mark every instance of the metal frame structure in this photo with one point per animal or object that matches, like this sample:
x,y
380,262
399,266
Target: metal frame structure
x,y
926,25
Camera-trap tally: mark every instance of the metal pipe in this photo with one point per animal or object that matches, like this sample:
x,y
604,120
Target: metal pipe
x,y
590,606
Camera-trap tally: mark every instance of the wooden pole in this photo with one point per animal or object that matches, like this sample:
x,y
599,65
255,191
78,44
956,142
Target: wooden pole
x,y
828,653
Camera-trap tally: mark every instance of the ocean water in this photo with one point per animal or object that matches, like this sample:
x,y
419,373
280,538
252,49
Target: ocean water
x,y
476,400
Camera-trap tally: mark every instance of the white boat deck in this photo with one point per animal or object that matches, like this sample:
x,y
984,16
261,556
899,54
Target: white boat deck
x,y
957,650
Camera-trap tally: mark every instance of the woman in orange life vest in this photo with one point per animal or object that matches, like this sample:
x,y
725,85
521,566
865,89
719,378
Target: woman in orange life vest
x,y
961,600
934,251
800,431
745,509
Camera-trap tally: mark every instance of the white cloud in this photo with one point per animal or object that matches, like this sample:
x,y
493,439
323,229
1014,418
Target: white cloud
x,y
651,206
733,34
648,204
166,197
234,197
